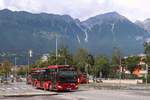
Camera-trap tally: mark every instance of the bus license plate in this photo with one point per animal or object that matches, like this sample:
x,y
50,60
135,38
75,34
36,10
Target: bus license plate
x,y
69,89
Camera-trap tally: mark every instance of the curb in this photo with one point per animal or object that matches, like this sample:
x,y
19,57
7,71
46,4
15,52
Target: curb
x,y
27,94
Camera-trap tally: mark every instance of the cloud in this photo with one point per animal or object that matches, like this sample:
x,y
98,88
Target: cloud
x,y
82,9
133,9
1,4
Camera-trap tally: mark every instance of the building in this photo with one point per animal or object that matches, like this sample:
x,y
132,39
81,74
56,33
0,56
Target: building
x,y
44,57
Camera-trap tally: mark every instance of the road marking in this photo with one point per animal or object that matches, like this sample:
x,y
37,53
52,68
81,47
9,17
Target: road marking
x,y
15,88
2,89
8,88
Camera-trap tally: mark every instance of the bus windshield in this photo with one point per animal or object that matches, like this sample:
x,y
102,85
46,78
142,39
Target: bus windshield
x,y
67,76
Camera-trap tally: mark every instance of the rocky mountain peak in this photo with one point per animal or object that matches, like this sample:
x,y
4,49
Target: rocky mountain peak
x,y
111,18
144,24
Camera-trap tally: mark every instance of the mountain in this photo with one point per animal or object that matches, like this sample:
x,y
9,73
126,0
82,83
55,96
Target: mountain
x,y
144,24
111,30
21,31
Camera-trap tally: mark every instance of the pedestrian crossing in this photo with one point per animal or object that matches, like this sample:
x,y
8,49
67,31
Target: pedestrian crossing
x,y
13,88
16,87
20,89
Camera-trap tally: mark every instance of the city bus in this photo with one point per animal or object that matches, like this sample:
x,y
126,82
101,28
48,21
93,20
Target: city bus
x,y
57,77
83,78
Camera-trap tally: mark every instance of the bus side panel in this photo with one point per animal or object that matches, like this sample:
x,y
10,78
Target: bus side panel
x,y
46,85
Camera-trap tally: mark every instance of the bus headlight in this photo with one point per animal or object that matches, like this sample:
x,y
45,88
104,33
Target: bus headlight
x,y
59,86
76,86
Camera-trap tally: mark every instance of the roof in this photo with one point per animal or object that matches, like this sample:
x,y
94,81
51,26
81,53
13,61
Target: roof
x,y
58,66
39,68
52,66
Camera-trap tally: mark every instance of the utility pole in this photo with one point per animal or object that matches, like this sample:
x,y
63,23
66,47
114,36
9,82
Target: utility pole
x,y
15,67
120,71
56,50
143,63
146,73
65,61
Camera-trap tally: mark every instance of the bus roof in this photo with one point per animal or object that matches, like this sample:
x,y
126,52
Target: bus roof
x,y
59,66
38,69
52,67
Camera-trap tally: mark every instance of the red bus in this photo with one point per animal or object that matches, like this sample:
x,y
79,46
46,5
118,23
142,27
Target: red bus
x,y
83,79
57,77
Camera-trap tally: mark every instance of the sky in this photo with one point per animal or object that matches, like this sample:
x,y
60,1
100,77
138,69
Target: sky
x,y
82,9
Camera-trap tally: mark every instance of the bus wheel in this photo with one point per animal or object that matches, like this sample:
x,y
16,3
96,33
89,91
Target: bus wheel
x,y
36,86
50,87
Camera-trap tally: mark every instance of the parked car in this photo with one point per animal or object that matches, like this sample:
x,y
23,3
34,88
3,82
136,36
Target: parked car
x,y
5,79
18,79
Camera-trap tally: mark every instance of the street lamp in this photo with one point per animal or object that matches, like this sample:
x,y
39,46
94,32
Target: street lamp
x,y
30,55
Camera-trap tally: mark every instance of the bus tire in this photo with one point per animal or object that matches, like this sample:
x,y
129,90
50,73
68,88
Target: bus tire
x,y
50,87
36,86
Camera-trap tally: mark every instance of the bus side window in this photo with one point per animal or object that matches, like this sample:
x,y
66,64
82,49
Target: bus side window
x,y
51,73
48,74
41,76
51,70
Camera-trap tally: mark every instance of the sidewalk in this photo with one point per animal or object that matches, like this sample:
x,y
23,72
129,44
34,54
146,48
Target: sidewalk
x,y
22,90
27,94
108,86
139,87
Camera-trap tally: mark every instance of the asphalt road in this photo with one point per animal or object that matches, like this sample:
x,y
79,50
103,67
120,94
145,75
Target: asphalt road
x,y
92,95
82,94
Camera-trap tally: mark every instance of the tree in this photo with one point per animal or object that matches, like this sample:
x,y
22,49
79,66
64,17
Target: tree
x,y
39,63
147,48
131,62
90,64
147,52
147,60
64,57
101,66
6,67
22,70
116,57
80,59
115,63
90,60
